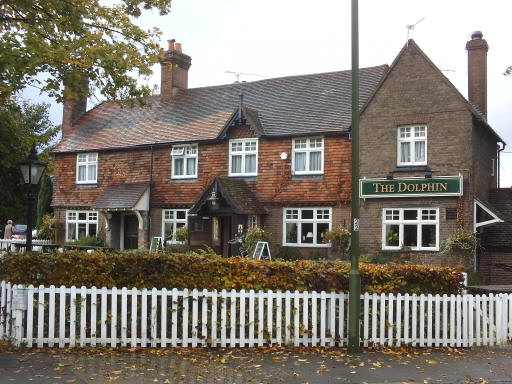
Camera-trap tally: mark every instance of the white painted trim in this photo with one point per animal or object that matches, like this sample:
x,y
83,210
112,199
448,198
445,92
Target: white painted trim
x,y
411,140
308,151
299,221
243,153
476,225
86,164
143,203
184,156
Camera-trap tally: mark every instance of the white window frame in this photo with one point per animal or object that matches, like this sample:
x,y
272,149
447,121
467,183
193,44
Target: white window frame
x,y
252,221
418,222
315,220
308,149
243,153
184,152
175,221
91,217
91,158
412,140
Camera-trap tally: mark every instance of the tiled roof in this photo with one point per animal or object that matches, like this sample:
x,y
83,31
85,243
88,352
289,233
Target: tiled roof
x,y
307,104
120,196
499,235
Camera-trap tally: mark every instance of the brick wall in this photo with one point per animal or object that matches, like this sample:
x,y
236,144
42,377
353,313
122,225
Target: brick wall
x,y
495,267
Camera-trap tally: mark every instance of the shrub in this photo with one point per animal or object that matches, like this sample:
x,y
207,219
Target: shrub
x,y
91,241
48,228
210,272
289,254
461,243
182,234
386,257
340,240
252,237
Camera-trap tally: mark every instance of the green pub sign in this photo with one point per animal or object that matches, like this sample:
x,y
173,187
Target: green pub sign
x,y
411,187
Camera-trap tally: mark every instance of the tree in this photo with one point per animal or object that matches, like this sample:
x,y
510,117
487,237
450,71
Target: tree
x,y
61,37
44,199
508,71
21,127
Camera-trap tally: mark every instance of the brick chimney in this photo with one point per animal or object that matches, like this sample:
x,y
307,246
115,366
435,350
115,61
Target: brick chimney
x,y
477,71
175,65
75,105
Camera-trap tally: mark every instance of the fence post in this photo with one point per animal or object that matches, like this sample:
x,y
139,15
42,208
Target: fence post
x,y
19,306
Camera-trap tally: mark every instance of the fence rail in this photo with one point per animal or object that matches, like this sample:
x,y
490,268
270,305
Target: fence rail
x,y
62,316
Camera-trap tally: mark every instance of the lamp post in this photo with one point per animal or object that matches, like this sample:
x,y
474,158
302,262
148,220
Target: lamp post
x,y
31,169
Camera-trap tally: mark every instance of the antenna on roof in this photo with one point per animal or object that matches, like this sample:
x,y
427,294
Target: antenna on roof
x,y
410,27
242,73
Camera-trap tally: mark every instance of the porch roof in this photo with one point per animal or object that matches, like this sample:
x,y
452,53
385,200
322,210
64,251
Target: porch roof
x,y
123,196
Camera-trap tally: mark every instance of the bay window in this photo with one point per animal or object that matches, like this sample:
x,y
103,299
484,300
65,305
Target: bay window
x,y
415,228
306,227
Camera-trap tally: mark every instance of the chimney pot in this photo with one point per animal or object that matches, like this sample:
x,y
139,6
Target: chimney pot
x,y
177,47
171,44
477,35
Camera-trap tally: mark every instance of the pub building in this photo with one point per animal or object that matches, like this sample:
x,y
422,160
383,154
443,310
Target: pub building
x,y
429,158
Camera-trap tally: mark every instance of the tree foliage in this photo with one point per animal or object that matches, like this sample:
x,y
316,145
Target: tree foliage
x,y
21,127
508,71
44,199
59,37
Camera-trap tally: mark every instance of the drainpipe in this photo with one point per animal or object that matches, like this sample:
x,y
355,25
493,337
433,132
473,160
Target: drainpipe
x,y
150,194
498,162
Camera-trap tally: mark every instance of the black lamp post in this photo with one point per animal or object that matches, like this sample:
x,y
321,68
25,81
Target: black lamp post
x,y
31,169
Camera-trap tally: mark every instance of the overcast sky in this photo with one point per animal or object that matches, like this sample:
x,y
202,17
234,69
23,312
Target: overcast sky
x,y
272,38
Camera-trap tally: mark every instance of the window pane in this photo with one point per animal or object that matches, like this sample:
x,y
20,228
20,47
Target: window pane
x,y
250,146
82,157
419,149
300,143
178,167
82,230
169,214
300,161
307,214
71,215
236,164
316,143
405,132
92,172
321,229
419,132
410,235
180,225
291,233
405,152
410,214
82,215
92,229
236,147
307,233
428,235
292,214
392,235
71,231
191,166
81,173
168,231
180,215
315,161
250,164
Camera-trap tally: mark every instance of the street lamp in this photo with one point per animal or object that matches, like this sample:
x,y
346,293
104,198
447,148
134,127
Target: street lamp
x,y
31,169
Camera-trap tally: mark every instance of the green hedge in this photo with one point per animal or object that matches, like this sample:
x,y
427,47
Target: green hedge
x,y
211,272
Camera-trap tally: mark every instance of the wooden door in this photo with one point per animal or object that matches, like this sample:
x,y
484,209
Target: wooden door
x,y
131,232
225,235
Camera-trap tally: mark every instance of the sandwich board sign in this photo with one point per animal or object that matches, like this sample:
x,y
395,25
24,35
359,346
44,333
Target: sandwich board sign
x,y
261,251
156,245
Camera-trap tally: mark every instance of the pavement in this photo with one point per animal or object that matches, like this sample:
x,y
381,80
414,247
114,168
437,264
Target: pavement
x,y
266,365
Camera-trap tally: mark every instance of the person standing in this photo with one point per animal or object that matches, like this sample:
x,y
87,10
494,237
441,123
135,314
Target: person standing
x,y
8,232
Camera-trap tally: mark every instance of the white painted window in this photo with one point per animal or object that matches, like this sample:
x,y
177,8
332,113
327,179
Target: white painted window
x,y
172,220
86,168
412,145
252,221
80,224
184,161
308,156
306,227
243,157
415,228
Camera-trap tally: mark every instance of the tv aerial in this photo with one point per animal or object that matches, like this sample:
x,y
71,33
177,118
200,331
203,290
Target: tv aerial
x,y
242,73
410,27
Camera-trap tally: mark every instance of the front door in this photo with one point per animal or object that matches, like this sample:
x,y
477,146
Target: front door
x,y
131,232
225,235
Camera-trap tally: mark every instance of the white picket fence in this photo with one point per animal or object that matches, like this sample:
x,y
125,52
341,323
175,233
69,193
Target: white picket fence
x,y
50,316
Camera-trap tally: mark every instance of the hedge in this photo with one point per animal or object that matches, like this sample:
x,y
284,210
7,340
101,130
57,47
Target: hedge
x,y
212,272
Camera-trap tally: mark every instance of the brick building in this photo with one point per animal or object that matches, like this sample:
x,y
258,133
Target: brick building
x,y
276,153
429,159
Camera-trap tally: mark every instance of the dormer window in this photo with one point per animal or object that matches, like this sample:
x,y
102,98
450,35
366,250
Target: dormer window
x,y
86,168
243,157
308,156
412,145
184,161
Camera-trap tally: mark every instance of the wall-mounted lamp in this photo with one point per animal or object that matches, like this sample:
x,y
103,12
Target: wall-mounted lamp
x,y
428,175
213,201
389,176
